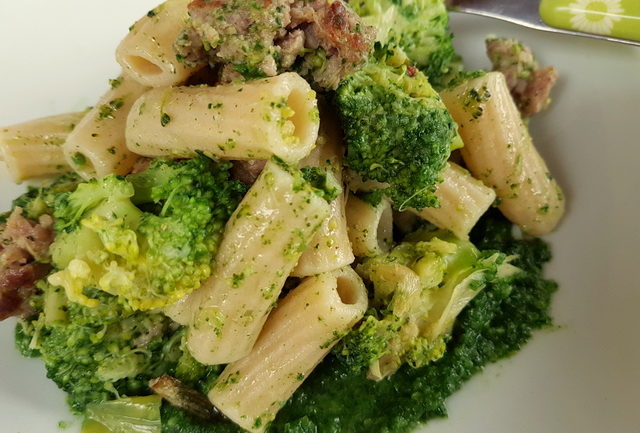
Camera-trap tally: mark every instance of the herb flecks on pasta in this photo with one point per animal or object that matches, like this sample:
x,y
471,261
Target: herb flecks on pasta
x,y
255,120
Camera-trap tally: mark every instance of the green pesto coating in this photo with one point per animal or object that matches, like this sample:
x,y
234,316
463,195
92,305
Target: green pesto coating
x,y
397,131
420,28
495,325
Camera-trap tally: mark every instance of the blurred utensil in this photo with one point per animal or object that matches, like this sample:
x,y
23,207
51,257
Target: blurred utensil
x,y
612,20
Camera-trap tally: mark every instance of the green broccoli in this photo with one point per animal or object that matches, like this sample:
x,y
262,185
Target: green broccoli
x,y
397,130
40,200
420,28
149,238
97,354
420,287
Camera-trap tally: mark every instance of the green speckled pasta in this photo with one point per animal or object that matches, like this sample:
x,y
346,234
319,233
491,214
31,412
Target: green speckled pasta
x,y
255,120
308,322
34,149
96,147
146,53
498,150
262,243
463,200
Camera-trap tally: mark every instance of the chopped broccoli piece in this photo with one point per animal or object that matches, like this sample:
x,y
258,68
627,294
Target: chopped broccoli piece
x,y
40,200
151,254
325,184
420,287
420,28
397,130
97,354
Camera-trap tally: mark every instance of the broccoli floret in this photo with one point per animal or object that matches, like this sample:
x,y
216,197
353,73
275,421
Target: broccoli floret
x,y
420,28
397,130
40,200
97,354
419,288
150,253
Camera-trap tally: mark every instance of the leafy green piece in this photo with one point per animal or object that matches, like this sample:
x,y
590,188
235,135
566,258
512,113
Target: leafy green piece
x,y
125,415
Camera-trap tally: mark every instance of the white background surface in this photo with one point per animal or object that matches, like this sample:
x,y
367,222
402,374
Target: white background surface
x,y
584,376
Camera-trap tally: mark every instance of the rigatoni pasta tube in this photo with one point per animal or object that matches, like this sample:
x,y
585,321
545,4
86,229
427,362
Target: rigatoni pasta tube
x,y
272,116
499,151
370,227
299,333
463,200
262,243
96,147
34,149
147,53
330,248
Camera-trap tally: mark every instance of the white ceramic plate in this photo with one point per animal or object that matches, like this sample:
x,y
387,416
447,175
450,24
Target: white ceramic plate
x,y
584,376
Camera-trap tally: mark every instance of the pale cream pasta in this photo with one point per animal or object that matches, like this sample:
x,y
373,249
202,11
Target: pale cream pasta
x,y
33,149
96,147
147,53
330,248
370,227
499,151
299,333
263,241
463,200
255,120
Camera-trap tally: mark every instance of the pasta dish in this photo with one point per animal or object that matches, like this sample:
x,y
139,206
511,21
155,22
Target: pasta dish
x,y
282,216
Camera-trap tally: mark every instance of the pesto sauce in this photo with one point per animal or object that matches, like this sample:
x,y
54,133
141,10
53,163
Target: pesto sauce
x,y
495,325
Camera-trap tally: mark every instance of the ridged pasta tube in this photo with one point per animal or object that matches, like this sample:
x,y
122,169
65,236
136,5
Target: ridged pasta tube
x,y
299,333
272,116
147,53
34,149
330,248
499,151
463,200
262,243
96,147
370,227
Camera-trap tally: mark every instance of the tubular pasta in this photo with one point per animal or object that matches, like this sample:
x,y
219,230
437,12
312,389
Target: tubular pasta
x,y
463,200
263,241
96,147
370,228
499,151
330,248
299,333
147,53
273,116
34,149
